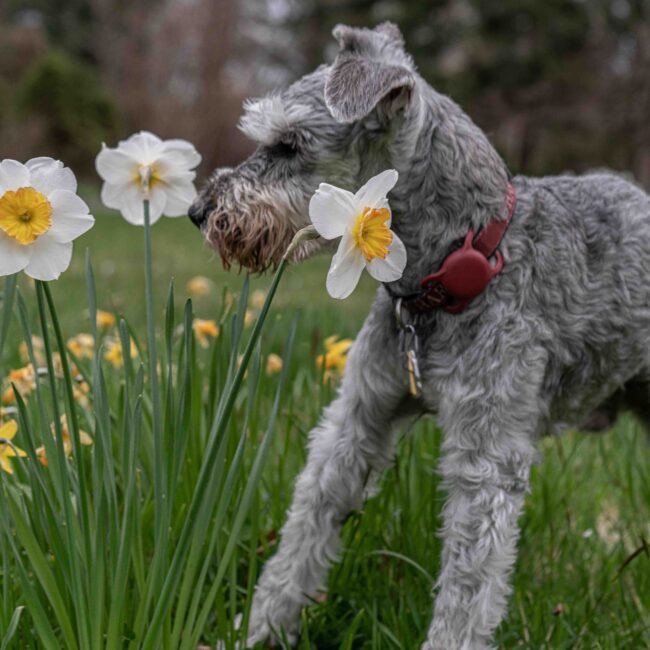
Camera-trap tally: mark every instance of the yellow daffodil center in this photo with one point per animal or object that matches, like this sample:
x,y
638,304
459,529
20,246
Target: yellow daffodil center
x,y
371,233
147,176
25,214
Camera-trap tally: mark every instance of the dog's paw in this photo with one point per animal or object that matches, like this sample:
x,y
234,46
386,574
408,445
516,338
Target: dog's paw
x,y
455,644
274,618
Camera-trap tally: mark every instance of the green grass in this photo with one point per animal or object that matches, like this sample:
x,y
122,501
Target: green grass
x,y
580,582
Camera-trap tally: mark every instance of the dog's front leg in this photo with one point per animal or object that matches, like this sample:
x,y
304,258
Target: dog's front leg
x,y
353,438
489,416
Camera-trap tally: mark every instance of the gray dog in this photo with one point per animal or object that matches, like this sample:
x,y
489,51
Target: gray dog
x,y
561,334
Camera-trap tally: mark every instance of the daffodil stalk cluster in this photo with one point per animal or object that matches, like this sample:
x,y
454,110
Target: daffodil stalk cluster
x,y
124,487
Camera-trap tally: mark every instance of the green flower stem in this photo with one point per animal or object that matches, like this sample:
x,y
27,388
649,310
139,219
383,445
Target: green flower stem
x,y
174,573
74,533
7,308
159,459
73,423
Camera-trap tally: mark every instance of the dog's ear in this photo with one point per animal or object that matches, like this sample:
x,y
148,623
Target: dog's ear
x,y
371,71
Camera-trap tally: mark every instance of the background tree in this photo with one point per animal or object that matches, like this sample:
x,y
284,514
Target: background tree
x,y
558,85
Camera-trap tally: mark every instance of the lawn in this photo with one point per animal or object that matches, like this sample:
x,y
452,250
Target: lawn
x,y
583,573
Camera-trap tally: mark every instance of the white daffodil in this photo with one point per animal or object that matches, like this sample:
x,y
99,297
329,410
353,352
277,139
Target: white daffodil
x,y
362,220
146,167
40,216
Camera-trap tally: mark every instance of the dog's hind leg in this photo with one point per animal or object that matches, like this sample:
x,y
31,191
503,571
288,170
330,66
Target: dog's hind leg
x,y
353,439
490,411
634,397
604,416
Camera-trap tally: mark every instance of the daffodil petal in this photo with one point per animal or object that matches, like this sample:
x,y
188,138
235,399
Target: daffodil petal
x,y
345,271
67,202
169,172
131,205
47,175
180,195
12,175
112,195
8,430
157,204
34,163
384,204
12,451
48,258
13,256
70,217
331,209
5,464
145,147
182,150
376,189
391,268
116,166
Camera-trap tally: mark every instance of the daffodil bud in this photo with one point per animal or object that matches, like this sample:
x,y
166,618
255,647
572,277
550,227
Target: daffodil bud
x,y
304,234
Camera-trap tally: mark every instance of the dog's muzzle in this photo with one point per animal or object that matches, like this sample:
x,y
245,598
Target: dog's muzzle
x,y
196,215
205,202
199,211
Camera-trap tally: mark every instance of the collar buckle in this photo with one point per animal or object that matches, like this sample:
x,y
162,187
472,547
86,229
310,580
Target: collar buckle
x,y
466,272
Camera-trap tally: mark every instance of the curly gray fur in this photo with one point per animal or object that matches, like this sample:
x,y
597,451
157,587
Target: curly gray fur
x,y
562,331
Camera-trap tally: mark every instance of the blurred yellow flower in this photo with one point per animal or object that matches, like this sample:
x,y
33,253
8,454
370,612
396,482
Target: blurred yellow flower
x,y
249,318
335,357
273,364
39,351
113,353
204,329
80,392
7,451
24,380
257,298
84,438
82,346
229,299
105,319
199,286
58,367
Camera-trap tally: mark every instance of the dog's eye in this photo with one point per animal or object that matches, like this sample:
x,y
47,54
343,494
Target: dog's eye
x,y
283,149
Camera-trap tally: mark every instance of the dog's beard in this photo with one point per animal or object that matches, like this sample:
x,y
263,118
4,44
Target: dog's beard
x,y
256,241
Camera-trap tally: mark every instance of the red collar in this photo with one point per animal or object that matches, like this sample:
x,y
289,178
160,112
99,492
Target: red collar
x,y
465,273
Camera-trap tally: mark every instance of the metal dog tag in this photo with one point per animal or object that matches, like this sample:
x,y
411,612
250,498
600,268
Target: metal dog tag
x,y
412,364
410,346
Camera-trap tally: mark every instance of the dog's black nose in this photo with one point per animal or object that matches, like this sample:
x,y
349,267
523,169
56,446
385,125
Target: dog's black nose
x,y
196,213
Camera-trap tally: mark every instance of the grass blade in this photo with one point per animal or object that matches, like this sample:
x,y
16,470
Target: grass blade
x,y
11,629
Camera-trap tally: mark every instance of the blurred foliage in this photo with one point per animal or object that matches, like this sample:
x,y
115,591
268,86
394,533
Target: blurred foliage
x,y
69,24
463,46
75,110
557,85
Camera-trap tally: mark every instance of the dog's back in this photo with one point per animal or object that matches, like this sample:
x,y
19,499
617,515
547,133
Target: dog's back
x,y
581,247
